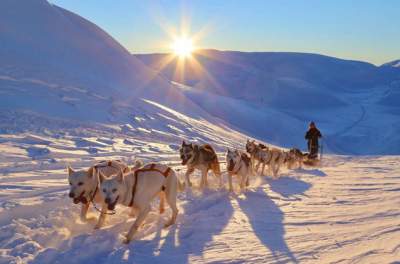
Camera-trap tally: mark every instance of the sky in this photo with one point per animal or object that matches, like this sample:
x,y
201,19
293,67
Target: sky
x,y
367,30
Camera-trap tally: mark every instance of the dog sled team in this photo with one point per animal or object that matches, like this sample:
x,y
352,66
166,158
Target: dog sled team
x,y
111,183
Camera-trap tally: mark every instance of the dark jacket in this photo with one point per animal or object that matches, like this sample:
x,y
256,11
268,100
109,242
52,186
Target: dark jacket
x,y
312,136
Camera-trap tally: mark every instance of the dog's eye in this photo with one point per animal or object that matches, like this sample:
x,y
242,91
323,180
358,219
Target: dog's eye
x,y
114,190
80,183
70,183
104,190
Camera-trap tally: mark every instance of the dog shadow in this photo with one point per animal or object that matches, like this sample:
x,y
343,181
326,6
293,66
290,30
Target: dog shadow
x,y
192,233
266,220
289,186
313,172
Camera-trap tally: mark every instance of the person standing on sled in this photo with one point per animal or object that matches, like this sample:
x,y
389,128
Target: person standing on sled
x,y
312,136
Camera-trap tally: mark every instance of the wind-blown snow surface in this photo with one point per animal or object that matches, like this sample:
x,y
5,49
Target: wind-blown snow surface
x,y
344,212
70,94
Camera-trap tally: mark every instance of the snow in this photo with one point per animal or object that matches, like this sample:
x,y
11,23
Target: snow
x,y
72,95
274,95
344,211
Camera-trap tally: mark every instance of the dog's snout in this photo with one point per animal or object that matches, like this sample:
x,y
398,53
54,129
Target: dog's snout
x,y
107,200
71,195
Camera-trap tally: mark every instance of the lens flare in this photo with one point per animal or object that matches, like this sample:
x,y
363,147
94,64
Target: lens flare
x,y
182,47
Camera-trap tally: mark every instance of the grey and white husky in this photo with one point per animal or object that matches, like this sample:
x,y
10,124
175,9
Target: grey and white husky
x,y
201,157
272,157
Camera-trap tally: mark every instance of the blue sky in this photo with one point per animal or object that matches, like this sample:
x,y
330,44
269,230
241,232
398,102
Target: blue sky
x,y
367,30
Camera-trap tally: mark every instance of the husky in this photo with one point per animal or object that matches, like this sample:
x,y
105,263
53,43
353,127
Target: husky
x,y
272,157
84,184
295,156
137,189
238,163
258,153
201,157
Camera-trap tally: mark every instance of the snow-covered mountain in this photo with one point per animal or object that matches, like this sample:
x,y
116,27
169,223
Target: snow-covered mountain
x,y
71,94
395,64
56,63
273,95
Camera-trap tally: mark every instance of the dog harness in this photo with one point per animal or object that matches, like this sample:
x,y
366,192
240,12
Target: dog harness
x,y
151,168
110,163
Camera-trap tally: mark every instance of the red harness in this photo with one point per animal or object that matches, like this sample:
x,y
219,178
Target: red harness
x,y
152,168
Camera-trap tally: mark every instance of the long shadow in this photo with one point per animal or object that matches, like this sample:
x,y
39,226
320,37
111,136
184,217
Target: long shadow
x,y
314,172
201,219
266,220
289,186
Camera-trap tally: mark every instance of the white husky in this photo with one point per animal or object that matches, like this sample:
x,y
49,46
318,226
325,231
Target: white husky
x,y
137,189
84,184
238,163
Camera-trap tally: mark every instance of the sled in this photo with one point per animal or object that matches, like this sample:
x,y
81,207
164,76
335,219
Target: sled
x,y
314,162
311,162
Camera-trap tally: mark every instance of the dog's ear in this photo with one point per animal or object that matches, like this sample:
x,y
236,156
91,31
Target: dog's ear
x,y
101,176
120,176
183,143
70,170
91,171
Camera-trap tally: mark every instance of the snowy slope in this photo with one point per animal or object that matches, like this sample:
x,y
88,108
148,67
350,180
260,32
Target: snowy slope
x,y
70,94
273,96
344,212
56,63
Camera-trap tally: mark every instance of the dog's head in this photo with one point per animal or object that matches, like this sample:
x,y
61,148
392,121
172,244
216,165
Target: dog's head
x,y
186,152
112,189
232,158
295,153
82,184
251,146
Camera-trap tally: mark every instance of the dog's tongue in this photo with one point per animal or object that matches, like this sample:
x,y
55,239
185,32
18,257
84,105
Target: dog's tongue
x,y
111,206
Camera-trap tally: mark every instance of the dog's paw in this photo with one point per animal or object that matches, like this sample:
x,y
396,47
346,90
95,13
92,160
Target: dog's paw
x,y
126,241
168,224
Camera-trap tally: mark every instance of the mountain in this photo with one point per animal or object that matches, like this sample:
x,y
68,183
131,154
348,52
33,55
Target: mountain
x,y
58,66
56,63
273,95
395,64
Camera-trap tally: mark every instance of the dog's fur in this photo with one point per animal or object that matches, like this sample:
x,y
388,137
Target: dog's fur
x,y
238,163
295,157
272,157
201,157
84,184
150,182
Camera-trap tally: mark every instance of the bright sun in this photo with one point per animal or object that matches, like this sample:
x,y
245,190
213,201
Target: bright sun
x,y
182,47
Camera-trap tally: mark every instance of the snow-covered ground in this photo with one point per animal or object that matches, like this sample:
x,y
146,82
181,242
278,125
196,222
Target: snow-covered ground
x,y
71,94
344,212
